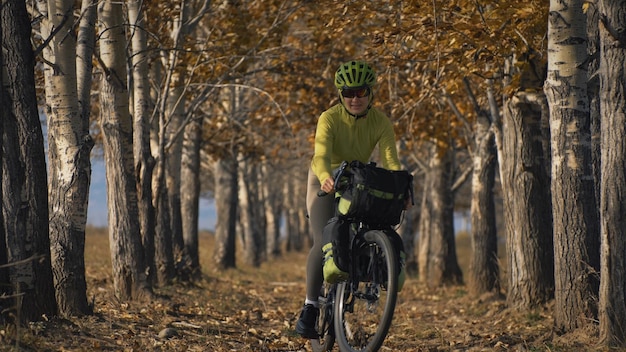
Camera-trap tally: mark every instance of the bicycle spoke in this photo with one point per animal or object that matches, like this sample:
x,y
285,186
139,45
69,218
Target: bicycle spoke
x,y
364,308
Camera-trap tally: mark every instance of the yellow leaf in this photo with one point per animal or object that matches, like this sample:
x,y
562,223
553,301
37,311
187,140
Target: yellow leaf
x,y
586,7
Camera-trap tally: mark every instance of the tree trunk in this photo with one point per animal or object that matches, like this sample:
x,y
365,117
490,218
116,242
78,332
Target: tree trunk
x,y
226,207
527,210
168,236
593,91
142,104
299,197
85,48
247,200
69,149
437,259
174,113
129,279
185,20
258,209
26,249
484,269
289,216
190,191
163,248
271,198
612,311
295,239
484,273
576,232
4,99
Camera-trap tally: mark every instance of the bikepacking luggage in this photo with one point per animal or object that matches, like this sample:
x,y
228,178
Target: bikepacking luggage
x,y
374,194
336,236
396,240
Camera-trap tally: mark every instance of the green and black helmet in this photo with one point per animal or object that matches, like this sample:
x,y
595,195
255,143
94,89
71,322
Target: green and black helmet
x,y
354,74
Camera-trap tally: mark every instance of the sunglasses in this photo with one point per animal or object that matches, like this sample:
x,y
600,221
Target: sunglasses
x,y
358,93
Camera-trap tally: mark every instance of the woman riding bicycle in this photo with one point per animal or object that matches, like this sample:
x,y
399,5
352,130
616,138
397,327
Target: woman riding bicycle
x,y
347,131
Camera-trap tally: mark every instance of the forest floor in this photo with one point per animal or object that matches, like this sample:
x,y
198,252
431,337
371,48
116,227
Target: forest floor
x,y
255,309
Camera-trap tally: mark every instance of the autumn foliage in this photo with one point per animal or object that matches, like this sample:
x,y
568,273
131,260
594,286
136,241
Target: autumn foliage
x,y
282,55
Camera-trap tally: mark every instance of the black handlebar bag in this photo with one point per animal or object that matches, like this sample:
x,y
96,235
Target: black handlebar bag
x,y
375,195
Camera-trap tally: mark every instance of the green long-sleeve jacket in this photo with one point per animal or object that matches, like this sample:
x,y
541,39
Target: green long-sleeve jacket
x,y
340,137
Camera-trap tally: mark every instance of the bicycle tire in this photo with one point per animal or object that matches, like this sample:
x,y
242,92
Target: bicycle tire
x,y
325,324
361,321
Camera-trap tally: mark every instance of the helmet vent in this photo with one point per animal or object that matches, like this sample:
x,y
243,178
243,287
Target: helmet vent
x,y
354,74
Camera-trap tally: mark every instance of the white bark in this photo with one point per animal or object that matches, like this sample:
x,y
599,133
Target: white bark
x,y
576,233
142,103
69,148
129,279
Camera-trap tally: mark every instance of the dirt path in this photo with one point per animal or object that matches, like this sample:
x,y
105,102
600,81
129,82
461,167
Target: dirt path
x,y
255,309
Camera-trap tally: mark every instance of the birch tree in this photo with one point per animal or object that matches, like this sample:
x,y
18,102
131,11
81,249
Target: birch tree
x,y
69,149
4,277
227,185
247,219
484,272
593,91
129,279
174,110
171,111
85,47
294,237
526,198
226,195
271,197
612,311
25,249
190,191
575,225
142,104
437,261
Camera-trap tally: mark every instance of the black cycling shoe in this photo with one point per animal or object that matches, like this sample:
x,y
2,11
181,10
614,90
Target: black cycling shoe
x,y
308,319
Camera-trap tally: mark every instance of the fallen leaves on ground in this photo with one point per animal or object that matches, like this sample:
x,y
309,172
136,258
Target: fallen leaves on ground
x,y
255,309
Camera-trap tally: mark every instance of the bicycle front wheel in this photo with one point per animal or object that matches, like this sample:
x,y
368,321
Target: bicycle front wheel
x,y
364,305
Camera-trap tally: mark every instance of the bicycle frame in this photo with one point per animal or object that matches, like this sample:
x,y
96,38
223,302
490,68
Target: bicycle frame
x,y
372,273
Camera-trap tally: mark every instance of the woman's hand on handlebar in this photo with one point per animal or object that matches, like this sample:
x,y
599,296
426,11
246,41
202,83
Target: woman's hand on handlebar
x,y
328,186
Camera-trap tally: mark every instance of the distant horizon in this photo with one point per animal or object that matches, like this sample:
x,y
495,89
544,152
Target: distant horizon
x,y
97,212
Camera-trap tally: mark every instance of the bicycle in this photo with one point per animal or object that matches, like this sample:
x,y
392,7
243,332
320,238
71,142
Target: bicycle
x,y
357,313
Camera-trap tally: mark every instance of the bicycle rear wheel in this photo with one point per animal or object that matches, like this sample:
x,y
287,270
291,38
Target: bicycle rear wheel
x,y
325,321
364,306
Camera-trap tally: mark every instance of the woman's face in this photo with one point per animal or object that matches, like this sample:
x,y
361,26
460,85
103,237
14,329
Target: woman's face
x,y
356,100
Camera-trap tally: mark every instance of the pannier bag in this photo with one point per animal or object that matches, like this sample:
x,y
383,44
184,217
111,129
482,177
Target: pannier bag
x,y
335,251
375,195
398,245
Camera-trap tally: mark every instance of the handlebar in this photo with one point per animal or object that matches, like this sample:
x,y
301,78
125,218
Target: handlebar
x,y
338,172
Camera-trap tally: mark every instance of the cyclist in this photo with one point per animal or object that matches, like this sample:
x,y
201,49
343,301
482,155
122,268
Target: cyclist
x,y
350,130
